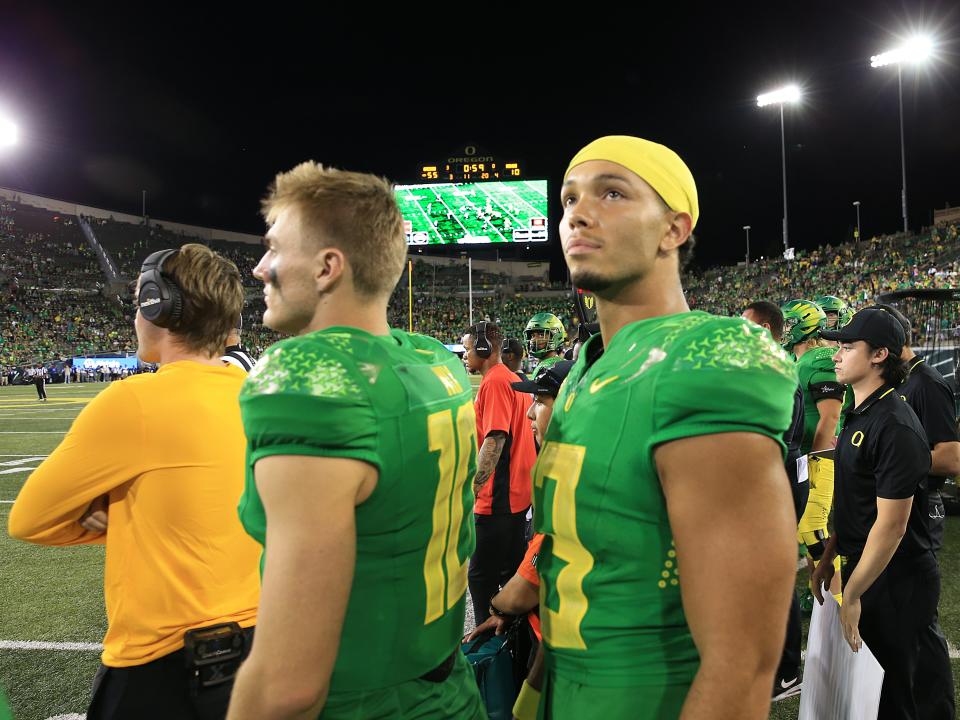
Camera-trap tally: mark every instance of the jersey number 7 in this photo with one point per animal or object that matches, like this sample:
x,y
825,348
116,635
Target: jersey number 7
x,y
562,463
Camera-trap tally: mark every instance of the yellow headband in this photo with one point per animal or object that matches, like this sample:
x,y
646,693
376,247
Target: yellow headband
x,y
656,164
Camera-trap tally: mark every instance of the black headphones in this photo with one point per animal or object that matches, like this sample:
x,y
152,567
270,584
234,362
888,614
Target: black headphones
x,y
482,346
159,299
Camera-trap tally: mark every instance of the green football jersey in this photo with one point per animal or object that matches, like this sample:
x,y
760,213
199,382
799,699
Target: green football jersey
x,y
403,403
610,600
818,378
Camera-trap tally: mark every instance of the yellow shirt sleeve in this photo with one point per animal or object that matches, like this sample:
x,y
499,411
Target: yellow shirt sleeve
x,y
101,452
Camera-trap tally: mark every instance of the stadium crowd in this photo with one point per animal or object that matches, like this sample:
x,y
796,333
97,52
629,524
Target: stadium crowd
x,y
388,420
42,250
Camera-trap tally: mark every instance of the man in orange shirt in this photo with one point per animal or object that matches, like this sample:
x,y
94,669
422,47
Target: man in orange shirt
x,y
181,575
522,593
502,482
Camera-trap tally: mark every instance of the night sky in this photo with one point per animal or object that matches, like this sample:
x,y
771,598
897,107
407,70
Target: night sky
x,y
201,108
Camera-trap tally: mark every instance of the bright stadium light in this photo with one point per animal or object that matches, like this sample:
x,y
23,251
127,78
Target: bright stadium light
x,y
786,94
914,51
789,93
8,132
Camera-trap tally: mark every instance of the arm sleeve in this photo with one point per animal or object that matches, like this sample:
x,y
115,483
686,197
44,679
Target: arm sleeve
x,y
823,384
496,412
287,412
727,377
935,408
901,461
528,568
82,468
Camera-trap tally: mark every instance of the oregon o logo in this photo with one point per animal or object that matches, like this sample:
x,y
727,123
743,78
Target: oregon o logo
x,y
857,439
470,150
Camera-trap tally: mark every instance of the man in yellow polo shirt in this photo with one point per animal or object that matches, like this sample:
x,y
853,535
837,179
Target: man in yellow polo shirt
x,y
181,577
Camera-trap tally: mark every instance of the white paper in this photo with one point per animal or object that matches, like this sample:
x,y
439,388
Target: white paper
x,y
837,682
803,470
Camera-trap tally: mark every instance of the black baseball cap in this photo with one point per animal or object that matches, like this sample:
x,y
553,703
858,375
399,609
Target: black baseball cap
x,y
546,380
872,325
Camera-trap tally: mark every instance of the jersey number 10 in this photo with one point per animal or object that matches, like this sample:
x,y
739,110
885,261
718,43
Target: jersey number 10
x,y
443,572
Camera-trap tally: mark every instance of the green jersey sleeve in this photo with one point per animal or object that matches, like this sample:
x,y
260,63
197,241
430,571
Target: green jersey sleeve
x,y
306,396
726,375
822,369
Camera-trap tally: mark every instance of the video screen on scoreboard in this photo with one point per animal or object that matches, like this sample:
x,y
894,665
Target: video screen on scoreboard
x,y
472,213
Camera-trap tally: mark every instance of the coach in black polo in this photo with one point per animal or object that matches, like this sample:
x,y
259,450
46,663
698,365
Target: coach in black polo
x,y
891,579
931,398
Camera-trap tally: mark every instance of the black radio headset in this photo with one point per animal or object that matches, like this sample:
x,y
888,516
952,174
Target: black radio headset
x,y
482,346
159,298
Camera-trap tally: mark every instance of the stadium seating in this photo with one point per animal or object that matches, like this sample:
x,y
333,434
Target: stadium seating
x,y
53,295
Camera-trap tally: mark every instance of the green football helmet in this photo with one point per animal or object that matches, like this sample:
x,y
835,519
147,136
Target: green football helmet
x,y
550,334
802,320
547,362
833,304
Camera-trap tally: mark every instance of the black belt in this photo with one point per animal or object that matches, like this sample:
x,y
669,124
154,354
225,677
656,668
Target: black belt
x,y
442,671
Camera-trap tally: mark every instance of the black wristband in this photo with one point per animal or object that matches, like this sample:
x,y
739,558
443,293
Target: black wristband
x,y
496,611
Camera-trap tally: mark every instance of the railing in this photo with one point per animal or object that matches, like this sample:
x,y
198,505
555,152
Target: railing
x,y
106,262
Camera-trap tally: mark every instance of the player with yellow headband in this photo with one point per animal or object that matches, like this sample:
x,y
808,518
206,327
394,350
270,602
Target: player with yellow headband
x,y
660,597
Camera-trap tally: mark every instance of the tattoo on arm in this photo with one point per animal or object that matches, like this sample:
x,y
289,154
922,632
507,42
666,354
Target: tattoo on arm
x,y
487,458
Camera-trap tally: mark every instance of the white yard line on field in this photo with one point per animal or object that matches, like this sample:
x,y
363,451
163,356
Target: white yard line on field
x,y
41,645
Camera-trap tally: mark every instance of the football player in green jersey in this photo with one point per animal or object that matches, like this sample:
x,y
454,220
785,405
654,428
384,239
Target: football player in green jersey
x,y
360,442
666,416
837,311
545,336
822,396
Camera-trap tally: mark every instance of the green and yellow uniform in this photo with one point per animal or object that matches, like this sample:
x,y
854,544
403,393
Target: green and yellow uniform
x,y
617,641
401,402
818,379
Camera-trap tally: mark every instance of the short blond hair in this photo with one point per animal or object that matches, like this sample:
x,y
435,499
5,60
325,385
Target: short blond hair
x,y
212,291
354,212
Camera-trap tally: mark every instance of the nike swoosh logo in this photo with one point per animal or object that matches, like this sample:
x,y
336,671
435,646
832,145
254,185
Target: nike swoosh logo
x,y
787,683
600,384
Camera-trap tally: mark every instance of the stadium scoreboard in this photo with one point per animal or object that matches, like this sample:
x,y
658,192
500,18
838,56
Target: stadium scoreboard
x,y
471,213
470,171
470,165
473,197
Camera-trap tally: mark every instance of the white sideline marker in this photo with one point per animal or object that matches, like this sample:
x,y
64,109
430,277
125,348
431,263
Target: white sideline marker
x,y
23,461
69,716
41,645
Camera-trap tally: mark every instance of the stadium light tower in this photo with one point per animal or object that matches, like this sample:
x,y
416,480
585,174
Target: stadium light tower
x,y
856,204
9,135
786,94
914,51
746,229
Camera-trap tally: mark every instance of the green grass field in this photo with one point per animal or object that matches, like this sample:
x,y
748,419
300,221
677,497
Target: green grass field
x,y
56,594
487,212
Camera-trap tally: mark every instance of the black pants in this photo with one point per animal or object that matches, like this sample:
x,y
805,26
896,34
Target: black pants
x,y
790,660
158,690
933,681
895,612
41,391
501,544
